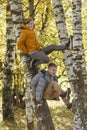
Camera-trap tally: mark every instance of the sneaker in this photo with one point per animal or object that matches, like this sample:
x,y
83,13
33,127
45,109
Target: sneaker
x,y
69,105
33,63
39,104
69,44
68,92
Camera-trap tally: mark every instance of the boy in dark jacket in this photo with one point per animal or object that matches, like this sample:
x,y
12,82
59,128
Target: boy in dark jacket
x,y
45,86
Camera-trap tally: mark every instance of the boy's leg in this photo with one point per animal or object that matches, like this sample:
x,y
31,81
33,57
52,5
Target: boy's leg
x,y
67,103
68,45
52,91
65,96
40,56
54,47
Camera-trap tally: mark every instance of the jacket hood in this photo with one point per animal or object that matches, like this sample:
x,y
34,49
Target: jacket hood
x,y
25,27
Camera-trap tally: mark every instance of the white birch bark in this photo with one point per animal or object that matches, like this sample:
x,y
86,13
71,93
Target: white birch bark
x,y
75,63
7,98
30,106
80,114
17,18
63,35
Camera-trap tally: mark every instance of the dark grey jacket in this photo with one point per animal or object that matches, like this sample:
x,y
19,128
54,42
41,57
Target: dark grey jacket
x,y
40,82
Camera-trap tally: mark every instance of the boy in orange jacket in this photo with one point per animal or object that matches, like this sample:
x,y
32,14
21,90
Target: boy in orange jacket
x,y
29,44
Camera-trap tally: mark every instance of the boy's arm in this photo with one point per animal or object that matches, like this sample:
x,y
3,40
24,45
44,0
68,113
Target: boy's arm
x,y
38,85
40,88
21,42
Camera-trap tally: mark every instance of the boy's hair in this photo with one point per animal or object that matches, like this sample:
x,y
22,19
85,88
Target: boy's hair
x,y
27,20
52,65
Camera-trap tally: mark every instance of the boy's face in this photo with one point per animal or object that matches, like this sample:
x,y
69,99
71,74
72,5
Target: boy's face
x,y
52,70
30,25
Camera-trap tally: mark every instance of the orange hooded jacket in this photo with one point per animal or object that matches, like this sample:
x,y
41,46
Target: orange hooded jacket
x,y
27,41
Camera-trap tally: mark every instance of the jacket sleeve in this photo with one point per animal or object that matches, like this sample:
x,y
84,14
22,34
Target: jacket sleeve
x,y
21,42
40,88
34,83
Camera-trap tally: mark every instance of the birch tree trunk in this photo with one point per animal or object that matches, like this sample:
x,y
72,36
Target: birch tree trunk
x,y
63,35
80,84
75,61
17,17
29,104
43,117
7,98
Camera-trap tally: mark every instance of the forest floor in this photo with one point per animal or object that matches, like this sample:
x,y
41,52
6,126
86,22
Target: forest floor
x,y
62,118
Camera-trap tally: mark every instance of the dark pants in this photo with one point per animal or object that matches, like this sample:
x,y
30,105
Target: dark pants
x,y
41,55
